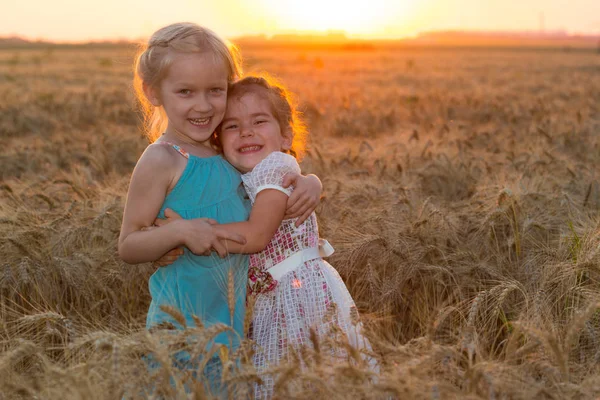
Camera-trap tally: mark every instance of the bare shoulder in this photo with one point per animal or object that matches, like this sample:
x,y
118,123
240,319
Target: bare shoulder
x,y
161,154
160,157
159,163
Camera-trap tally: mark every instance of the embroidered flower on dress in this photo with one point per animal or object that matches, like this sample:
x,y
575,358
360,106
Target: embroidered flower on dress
x,y
260,281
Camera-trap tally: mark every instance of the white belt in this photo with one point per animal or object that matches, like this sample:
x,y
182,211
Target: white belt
x,y
298,258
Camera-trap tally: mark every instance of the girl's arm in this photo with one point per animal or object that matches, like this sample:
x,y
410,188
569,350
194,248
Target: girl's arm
x,y
267,213
149,184
152,177
302,202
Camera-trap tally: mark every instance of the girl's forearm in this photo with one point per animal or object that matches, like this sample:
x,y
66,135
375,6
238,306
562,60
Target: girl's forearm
x,y
144,246
265,217
257,237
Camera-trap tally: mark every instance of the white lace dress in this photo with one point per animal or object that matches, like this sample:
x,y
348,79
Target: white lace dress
x,y
294,288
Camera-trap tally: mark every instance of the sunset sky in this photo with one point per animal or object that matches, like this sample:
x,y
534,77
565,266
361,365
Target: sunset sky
x,y
77,20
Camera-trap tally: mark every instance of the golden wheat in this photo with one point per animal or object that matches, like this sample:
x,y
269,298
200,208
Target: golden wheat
x,y
462,195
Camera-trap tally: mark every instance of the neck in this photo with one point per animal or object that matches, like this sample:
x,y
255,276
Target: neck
x,y
201,149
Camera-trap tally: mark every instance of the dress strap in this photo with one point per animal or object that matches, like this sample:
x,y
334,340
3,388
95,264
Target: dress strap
x,y
177,148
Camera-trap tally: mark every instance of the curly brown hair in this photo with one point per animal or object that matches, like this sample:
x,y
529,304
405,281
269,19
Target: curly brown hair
x,y
283,106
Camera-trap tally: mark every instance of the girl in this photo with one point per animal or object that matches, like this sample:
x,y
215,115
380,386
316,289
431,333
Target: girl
x,y
181,79
294,289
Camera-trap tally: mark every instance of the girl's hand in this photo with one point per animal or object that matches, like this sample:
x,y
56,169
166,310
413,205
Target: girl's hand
x,y
170,216
201,235
305,197
169,258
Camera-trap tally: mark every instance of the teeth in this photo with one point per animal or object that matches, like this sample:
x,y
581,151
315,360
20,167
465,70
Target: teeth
x,y
199,121
249,148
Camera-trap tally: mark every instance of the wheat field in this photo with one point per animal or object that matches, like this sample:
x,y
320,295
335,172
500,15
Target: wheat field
x,y
461,192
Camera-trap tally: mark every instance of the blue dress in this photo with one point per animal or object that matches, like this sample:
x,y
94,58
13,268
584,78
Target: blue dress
x,y
198,285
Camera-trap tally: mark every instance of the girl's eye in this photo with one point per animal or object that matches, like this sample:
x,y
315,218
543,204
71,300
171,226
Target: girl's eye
x,y
217,90
185,91
230,127
261,121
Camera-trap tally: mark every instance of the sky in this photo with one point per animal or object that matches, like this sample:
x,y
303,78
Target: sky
x,y
81,20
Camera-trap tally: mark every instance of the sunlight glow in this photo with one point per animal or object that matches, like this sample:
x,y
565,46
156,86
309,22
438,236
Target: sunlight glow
x,y
75,20
334,15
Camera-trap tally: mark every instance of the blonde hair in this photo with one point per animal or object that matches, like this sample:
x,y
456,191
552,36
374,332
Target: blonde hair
x,y
155,57
283,105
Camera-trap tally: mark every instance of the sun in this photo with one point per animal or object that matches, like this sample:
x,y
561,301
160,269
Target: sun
x,y
353,17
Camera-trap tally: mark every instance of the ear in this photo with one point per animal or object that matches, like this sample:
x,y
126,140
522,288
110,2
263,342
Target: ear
x,y
288,138
151,94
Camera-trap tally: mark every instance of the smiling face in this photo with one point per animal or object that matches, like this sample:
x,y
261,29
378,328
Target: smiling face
x,y
250,131
193,94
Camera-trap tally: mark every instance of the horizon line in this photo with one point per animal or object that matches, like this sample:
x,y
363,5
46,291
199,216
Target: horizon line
x,y
338,35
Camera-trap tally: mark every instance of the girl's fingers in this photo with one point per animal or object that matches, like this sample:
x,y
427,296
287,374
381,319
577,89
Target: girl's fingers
x,y
301,206
293,215
294,203
312,204
303,217
164,262
219,248
169,258
160,221
175,252
171,215
289,178
304,210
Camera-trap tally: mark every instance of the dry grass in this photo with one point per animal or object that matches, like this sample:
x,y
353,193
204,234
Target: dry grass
x,y
462,194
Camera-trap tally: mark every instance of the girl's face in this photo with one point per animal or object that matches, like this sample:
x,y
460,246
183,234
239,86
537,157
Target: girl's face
x,y
250,131
194,95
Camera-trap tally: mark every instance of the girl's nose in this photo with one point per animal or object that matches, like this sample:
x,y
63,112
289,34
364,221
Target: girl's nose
x,y
246,132
202,104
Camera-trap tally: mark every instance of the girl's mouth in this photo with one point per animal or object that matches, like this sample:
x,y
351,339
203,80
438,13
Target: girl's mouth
x,y
199,121
250,149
